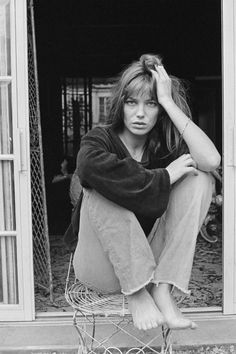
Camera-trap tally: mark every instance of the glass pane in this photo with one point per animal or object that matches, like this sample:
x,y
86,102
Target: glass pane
x,y
6,146
8,270
5,58
7,196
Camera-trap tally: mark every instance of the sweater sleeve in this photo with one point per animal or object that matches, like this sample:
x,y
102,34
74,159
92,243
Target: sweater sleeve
x,y
123,181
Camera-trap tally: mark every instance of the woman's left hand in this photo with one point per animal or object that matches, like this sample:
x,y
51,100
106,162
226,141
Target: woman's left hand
x,y
163,82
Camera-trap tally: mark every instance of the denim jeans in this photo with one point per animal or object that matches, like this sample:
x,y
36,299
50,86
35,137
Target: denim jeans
x,y
114,255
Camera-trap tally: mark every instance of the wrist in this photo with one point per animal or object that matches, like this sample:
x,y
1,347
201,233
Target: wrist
x,y
167,102
170,175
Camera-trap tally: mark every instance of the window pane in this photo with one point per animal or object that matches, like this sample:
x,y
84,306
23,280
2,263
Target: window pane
x,y
8,270
7,196
101,109
107,104
5,59
6,146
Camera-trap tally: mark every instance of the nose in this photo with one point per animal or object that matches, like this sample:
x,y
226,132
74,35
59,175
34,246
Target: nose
x,y
140,110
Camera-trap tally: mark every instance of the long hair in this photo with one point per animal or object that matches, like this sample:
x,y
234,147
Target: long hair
x,y
138,79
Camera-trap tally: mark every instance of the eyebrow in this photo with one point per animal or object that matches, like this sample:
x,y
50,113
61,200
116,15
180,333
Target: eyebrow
x,y
131,98
136,98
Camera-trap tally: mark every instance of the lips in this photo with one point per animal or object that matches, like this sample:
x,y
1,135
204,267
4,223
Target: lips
x,y
141,124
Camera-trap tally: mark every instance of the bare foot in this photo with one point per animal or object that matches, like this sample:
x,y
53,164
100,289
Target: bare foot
x,y
166,304
144,311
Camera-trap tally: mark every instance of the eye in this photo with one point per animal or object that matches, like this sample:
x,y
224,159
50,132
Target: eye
x,y
130,102
152,103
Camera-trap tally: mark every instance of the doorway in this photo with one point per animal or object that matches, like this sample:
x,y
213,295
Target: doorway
x,y
81,47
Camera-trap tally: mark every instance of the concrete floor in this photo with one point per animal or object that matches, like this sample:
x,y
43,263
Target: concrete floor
x,y
57,335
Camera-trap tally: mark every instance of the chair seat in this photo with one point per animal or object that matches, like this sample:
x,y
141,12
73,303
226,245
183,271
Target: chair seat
x,y
90,302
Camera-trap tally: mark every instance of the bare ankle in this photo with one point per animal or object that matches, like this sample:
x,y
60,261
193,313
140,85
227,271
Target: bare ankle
x,y
144,310
137,293
162,289
165,287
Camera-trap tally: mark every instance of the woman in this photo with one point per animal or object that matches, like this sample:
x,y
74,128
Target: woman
x,y
146,193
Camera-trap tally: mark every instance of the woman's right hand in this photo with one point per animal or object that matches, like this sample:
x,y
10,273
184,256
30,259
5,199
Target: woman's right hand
x,y
183,165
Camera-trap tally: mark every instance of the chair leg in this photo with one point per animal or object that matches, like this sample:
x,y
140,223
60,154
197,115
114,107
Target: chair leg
x,y
166,346
82,348
93,332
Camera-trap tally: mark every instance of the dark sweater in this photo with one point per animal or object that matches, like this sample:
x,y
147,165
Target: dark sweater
x,y
104,164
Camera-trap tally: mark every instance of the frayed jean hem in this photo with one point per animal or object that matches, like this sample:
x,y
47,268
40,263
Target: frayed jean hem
x,y
133,291
176,290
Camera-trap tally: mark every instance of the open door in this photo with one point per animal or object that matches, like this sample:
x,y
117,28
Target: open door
x,y
16,265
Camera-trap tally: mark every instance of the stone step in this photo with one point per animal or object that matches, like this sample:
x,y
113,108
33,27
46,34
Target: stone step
x,y
58,336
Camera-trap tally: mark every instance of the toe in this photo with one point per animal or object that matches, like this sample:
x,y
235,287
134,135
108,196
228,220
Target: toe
x,y
161,321
154,324
149,325
143,326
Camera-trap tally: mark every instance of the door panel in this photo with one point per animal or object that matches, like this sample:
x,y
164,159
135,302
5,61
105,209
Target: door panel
x,y
16,270
229,157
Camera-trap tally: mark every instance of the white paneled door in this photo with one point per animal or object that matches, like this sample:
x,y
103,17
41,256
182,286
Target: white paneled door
x,y
16,266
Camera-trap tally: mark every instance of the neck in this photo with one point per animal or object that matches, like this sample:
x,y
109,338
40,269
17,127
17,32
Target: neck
x,y
133,142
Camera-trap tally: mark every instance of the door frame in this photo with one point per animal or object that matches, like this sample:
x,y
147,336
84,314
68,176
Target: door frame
x,y
25,308
229,154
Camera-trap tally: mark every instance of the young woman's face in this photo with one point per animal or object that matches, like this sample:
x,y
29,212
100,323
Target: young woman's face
x,y
140,114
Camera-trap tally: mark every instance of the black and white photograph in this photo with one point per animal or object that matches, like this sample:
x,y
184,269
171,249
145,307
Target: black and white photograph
x,y
117,176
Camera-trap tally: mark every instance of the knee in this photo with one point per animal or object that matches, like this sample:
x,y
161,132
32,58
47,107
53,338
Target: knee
x,y
200,185
203,183
204,180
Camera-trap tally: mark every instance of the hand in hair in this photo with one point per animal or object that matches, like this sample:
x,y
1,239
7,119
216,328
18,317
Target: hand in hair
x,y
182,166
163,84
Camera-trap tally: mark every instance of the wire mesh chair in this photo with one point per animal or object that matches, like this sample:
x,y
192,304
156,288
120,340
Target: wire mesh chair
x,y
91,307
